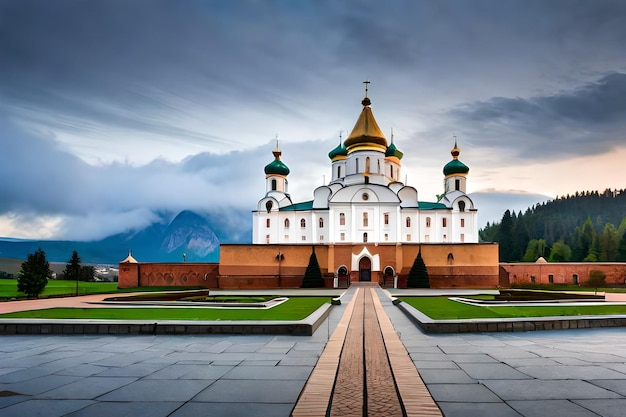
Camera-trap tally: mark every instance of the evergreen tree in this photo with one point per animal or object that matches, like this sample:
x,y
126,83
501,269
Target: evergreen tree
x,y
621,249
536,248
560,252
313,274
73,268
418,275
506,238
608,243
34,274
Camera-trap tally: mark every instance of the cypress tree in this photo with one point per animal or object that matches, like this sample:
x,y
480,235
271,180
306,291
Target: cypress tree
x,y
418,275
313,274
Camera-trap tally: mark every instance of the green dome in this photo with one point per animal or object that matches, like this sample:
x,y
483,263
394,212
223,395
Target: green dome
x,y
276,167
393,151
340,150
455,167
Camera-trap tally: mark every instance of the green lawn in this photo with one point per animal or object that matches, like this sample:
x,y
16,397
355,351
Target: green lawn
x,y
63,288
441,308
296,308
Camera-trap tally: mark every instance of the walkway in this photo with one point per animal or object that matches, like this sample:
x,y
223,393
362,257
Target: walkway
x,y
364,369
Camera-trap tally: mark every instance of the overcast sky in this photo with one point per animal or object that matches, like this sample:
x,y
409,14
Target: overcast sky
x,y
112,112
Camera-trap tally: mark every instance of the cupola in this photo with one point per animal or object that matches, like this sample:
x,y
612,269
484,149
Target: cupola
x,y
276,167
366,135
455,167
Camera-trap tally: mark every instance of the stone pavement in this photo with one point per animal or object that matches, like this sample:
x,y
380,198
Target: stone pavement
x,y
548,373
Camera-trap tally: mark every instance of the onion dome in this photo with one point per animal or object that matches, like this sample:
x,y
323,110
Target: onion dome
x,y
455,166
393,151
366,134
276,167
340,152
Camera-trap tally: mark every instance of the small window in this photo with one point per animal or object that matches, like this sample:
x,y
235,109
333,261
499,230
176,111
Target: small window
x,y
342,219
365,237
321,238
286,223
273,185
267,223
551,279
408,238
445,238
386,218
457,184
321,223
338,172
386,237
302,224
462,238
408,222
342,236
356,161
427,221
461,205
444,222
427,238
367,164
267,238
462,222
575,279
303,237
532,279
450,259
365,220
286,238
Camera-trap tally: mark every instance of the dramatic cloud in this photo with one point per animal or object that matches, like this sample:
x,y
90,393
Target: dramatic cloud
x,y
114,112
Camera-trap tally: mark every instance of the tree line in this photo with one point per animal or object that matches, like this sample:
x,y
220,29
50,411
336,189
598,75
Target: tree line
x,y
35,272
585,227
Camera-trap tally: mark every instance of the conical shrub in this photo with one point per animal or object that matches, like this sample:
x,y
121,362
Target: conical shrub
x,y
313,274
418,276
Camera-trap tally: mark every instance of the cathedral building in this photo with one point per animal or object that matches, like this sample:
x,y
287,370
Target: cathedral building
x,y
364,225
365,201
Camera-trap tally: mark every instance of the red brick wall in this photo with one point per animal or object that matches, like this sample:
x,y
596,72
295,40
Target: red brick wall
x,y
563,272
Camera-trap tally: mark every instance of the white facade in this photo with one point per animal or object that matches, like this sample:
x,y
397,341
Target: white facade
x,y
365,202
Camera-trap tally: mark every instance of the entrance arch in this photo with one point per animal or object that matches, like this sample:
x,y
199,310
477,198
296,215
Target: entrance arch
x,y
365,269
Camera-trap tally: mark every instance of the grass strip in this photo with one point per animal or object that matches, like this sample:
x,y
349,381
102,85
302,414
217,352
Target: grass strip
x,y
442,308
296,308
65,288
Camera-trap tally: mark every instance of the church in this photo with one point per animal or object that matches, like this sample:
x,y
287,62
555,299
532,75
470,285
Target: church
x,y
365,201
363,225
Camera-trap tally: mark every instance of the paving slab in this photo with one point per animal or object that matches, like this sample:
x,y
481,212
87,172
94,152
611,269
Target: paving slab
x,y
492,371
534,389
545,408
476,409
446,376
44,408
134,409
87,388
241,409
255,391
605,408
618,386
466,393
162,390
571,372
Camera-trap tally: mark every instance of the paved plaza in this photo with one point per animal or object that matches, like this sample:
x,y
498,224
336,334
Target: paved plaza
x,y
548,373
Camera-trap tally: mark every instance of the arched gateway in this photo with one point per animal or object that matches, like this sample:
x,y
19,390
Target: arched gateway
x,y
365,269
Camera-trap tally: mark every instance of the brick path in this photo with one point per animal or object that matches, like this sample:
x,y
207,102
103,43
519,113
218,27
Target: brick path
x,y
365,369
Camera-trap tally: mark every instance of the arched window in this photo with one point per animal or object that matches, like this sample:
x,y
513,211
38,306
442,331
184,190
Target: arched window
x,y
267,222
321,223
302,223
408,222
461,205
342,219
444,222
356,160
365,237
386,218
457,184
286,223
343,271
427,221
273,184
338,172
450,259
365,220
389,271
367,164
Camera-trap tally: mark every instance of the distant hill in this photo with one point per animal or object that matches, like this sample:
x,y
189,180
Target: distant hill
x,y
591,224
198,236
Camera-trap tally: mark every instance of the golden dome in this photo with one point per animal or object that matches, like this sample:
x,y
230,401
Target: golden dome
x,y
366,134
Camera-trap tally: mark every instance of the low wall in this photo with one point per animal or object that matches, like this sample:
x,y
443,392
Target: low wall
x,y
562,272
